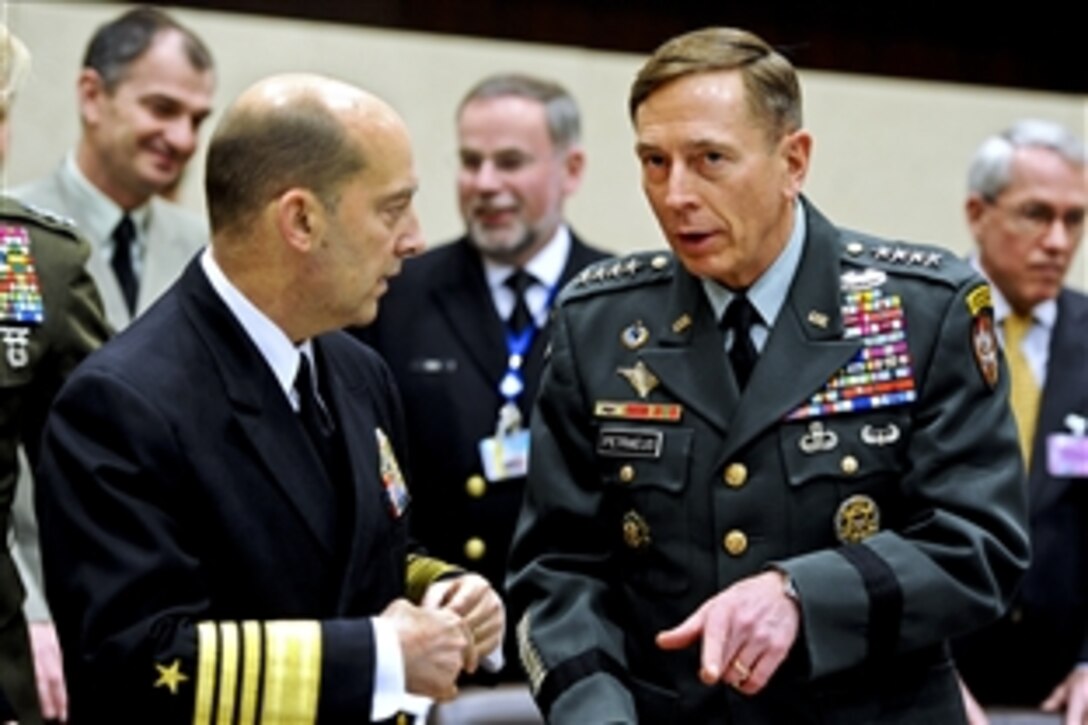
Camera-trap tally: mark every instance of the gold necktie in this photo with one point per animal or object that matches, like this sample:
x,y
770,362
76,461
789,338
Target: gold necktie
x,y
1024,391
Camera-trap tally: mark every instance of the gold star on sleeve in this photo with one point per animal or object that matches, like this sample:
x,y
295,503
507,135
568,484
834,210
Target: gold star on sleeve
x,y
170,676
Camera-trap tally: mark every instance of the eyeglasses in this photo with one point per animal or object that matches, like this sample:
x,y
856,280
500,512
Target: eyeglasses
x,y
1036,219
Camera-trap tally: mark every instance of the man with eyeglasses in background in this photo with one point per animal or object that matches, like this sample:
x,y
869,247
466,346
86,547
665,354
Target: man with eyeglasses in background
x,y
1027,193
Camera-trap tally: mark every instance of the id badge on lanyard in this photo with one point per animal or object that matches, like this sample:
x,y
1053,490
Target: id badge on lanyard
x,y
1067,453
505,455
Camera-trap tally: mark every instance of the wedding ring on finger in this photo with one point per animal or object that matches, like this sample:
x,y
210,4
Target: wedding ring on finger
x,y
742,670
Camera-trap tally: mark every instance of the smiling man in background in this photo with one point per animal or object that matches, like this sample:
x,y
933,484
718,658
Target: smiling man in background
x,y
144,90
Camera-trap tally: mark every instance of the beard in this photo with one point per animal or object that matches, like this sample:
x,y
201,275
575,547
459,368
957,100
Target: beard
x,y
499,247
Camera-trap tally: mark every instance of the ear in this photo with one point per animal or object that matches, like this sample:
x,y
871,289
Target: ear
x,y
975,207
574,163
90,94
300,219
979,218
796,149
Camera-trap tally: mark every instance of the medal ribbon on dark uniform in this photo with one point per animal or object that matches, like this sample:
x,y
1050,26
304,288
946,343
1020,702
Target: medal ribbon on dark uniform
x,y
881,373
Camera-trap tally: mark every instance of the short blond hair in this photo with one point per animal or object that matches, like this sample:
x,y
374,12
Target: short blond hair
x,y
14,65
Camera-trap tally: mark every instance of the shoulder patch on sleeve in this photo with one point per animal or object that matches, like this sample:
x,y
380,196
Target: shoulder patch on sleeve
x,y
618,273
983,338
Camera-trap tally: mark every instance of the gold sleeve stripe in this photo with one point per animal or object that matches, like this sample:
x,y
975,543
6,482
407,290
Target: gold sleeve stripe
x,y
257,672
530,657
421,572
228,670
206,673
292,671
251,672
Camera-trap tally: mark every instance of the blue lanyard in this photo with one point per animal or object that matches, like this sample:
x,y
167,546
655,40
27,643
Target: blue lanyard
x,y
512,383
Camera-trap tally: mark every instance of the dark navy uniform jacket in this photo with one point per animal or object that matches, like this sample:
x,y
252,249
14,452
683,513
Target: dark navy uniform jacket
x,y
199,561
872,457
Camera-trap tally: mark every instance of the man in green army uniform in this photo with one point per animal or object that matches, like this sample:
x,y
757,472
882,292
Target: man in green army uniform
x,y
50,319
773,472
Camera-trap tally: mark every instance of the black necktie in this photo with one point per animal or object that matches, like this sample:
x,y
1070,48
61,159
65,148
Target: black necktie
x,y
313,413
322,431
739,317
123,235
519,281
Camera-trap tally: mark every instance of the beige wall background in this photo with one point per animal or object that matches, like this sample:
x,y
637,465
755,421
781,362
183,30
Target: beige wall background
x,y
890,155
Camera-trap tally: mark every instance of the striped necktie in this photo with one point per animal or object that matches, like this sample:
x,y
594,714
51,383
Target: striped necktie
x,y
1024,390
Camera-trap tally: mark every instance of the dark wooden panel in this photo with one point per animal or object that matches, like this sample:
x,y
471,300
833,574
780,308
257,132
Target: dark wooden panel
x,y
1039,47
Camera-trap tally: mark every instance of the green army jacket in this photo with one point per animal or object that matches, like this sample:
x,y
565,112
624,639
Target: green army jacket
x,y
872,457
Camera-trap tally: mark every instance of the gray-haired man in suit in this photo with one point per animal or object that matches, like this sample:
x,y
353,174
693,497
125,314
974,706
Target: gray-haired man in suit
x,y
1027,194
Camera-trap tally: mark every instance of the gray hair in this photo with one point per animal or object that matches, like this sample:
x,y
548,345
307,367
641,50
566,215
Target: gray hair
x,y
560,109
991,169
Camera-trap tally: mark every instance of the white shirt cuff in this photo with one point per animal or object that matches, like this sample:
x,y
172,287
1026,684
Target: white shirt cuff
x,y
390,693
